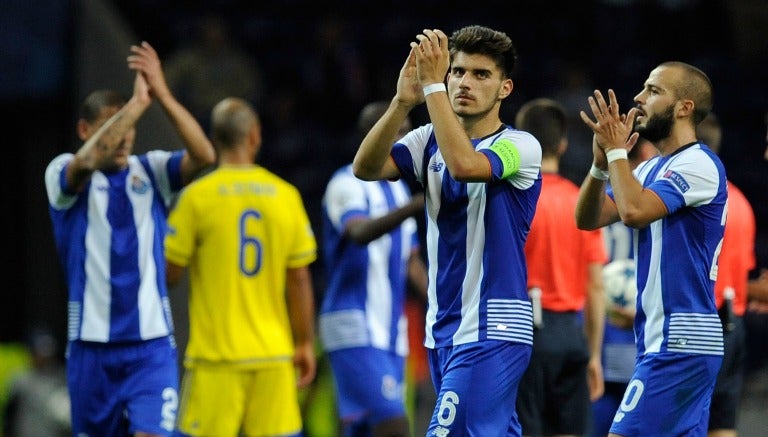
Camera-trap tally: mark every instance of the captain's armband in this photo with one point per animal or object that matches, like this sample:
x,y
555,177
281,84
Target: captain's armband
x,y
509,154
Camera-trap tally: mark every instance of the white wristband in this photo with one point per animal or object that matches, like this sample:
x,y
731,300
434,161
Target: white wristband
x,y
615,154
598,174
434,88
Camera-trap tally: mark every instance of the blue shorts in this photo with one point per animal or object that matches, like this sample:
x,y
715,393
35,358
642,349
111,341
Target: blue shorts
x,y
369,384
121,389
669,394
476,385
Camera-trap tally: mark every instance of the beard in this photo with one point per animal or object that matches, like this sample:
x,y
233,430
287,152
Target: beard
x,y
658,126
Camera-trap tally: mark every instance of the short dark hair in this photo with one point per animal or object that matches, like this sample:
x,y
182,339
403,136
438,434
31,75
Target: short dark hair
x,y
695,86
482,40
546,120
90,109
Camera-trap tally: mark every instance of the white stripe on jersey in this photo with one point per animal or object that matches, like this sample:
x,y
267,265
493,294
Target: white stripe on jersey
x,y
151,318
652,302
432,235
378,299
470,298
96,297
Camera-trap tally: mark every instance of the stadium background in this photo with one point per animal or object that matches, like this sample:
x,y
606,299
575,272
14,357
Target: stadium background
x,y
320,62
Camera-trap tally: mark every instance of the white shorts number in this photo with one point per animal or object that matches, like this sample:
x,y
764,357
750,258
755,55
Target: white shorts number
x,y
447,411
169,409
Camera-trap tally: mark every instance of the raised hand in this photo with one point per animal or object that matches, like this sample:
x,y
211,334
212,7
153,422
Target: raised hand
x,y
432,56
144,59
408,89
141,89
612,129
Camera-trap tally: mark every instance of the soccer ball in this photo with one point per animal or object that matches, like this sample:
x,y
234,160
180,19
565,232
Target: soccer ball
x,y
619,284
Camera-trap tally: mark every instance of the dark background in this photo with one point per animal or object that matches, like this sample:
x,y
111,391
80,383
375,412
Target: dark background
x,y
319,63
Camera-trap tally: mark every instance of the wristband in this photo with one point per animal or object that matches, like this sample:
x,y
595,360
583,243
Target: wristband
x,y
598,174
616,154
434,88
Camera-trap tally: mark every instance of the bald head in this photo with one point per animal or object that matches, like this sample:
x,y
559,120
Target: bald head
x,y
232,120
692,84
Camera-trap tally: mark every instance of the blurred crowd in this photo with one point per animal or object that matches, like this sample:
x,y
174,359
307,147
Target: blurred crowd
x,y
309,67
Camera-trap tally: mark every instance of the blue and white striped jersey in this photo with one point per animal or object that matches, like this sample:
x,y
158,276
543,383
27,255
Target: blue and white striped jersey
x,y
110,242
677,255
364,298
475,238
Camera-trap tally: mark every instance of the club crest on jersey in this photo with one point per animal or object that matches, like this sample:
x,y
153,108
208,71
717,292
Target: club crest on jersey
x,y
138,185
678,180
436,166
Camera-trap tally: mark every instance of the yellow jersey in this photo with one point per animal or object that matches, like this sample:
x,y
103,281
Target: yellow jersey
x,y
238,229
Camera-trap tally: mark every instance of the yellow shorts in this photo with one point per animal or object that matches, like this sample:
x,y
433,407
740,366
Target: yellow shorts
x,y
223,400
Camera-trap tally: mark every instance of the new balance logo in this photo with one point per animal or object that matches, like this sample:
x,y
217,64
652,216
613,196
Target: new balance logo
x,y
440,432
436,166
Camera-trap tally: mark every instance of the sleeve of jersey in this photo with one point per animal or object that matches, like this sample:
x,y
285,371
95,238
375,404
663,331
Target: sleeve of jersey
x,y
180,237
166,167
409,153
517,158
404,161
690,180
304,249
60,196
345,199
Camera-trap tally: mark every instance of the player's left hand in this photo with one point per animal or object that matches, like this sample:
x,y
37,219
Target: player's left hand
x,y
145,60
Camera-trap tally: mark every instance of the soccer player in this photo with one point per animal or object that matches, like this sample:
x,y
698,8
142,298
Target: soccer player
x,y
676,204
108,209
565,267
481,180
371,255
245,236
